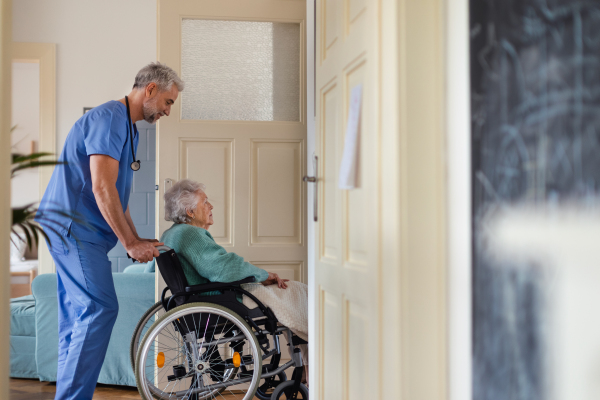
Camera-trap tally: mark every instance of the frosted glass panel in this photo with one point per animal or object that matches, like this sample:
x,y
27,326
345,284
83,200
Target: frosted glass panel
x,y
240,70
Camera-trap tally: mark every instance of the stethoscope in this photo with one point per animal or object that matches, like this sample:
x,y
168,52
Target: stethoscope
x,y
135,165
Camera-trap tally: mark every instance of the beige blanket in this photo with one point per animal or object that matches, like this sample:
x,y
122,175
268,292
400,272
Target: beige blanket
x,y
289,305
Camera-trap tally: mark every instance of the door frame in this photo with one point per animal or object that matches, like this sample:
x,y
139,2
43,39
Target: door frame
x,y
5,213
310,190
435,259
458,150
43,54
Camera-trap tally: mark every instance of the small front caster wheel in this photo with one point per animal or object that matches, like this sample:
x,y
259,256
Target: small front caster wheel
x,y
284,392
265,390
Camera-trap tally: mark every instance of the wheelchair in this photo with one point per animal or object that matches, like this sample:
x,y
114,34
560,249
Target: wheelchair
x,y
202,343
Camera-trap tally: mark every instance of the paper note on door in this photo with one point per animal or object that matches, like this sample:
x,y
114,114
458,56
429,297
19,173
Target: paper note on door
x,y
350,158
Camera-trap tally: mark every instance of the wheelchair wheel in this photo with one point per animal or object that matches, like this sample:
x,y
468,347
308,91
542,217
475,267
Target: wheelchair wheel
x,y
141,328
284,391
198,351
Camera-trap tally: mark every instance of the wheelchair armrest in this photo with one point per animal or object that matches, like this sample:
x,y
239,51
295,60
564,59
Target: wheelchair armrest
x,y
209,287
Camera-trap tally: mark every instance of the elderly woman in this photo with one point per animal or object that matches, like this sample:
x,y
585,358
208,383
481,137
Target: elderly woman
x,y
203,260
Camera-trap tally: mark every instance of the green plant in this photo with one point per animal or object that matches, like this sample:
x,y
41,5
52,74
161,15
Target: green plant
x,y
21,162
23,217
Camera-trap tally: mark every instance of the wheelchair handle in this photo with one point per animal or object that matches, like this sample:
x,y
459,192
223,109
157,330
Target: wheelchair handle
x,y
163,248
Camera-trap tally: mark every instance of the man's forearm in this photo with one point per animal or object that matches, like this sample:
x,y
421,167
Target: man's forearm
x,y
130,223
110,206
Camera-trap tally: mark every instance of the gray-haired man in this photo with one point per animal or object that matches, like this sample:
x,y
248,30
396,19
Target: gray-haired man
x,y
94,184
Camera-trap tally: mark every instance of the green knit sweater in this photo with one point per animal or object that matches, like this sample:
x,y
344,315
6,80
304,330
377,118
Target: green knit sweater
x,y
203,260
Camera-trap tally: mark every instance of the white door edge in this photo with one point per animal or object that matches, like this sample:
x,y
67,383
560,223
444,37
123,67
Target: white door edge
x,y
458,141
310,149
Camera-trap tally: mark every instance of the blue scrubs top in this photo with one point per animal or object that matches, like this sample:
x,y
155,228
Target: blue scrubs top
x,y
102,130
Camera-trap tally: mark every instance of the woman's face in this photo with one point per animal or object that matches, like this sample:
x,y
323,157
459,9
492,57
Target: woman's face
x,y
203,212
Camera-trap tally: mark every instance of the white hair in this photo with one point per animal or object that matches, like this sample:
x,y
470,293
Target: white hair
x,y
180,198
163,76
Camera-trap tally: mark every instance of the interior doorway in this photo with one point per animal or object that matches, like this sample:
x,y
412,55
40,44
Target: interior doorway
x,y
25,134
239,127
34,119
25,128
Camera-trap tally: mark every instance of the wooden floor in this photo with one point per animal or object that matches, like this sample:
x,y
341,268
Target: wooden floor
x,y
31,389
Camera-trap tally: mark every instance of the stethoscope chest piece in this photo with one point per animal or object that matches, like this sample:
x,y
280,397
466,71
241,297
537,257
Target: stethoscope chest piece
x,y
135,165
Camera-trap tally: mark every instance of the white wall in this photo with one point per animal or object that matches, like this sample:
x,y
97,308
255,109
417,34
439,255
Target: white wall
x,y
100,46
26,120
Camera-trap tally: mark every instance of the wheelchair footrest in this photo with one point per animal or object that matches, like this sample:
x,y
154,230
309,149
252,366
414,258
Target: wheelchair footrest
x,y
298,340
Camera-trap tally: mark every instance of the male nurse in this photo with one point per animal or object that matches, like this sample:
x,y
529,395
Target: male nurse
x,y
92,192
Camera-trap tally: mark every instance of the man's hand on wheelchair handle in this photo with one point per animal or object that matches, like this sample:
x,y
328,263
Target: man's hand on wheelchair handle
x,y
143,250
275,279
147,240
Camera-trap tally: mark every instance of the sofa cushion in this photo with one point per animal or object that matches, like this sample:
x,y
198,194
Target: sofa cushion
x,y
150,266
22,357
22,316
135,269
135,293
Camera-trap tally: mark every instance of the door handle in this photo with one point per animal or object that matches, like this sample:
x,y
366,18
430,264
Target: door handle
x,y
314,179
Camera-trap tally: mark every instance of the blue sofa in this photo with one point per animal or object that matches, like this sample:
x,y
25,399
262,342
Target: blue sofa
x,y
34,328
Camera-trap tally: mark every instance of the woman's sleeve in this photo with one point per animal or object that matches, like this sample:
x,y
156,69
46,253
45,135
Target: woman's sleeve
x,y
214,263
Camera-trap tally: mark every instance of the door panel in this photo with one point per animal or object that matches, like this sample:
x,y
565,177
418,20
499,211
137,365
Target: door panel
x,y
331,12
347,239
332,369
200,155
276,189
358,346
355,201
330,249
355,9
293,270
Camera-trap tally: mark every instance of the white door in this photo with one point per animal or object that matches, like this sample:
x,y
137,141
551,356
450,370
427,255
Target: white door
x,y
347,234
239,126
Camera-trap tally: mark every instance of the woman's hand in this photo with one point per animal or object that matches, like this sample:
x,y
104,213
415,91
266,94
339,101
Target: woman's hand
x,y
275,279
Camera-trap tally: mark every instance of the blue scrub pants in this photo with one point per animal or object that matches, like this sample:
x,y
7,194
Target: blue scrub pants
x,y
87,311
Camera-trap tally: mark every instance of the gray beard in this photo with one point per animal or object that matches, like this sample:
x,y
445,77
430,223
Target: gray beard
x,y
150,113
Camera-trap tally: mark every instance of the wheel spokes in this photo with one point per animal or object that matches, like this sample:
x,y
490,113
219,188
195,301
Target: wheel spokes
x,y
198,345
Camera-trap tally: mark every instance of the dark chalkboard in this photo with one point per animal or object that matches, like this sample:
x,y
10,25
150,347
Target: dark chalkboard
x,y
535,88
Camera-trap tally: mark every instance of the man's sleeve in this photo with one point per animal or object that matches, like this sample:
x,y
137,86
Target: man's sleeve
x,y
106,135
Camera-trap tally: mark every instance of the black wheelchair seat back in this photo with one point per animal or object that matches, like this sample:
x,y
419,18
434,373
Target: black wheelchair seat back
x,y
171,270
